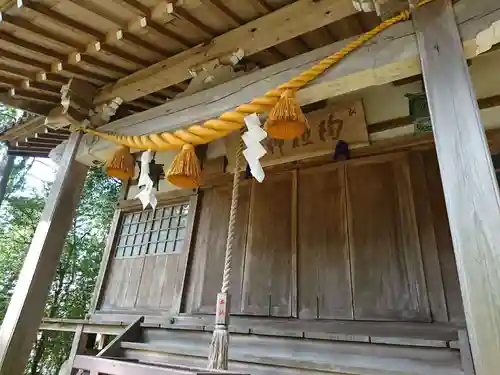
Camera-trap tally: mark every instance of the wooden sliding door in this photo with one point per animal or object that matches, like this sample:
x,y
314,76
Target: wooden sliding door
x,y
365,239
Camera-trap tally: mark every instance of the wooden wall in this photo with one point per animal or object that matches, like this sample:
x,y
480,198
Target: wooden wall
x,y
366,239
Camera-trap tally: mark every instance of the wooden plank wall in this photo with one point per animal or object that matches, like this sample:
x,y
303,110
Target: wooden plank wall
x,y
367,239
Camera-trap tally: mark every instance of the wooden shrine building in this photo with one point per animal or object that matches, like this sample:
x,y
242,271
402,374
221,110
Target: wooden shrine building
x,y
382,259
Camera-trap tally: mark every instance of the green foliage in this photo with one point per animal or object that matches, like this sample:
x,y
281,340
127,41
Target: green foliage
x,y
74,282
8,116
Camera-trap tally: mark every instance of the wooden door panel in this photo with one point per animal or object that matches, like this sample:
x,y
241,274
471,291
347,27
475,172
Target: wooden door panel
x,y
386,265
428,233
323,250
443,238
112,285
267,281
210,246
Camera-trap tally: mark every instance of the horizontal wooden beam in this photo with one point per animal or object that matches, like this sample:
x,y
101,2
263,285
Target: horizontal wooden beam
x,y
283,24
390,57
23,103
20,131
445,332
28,154
95,47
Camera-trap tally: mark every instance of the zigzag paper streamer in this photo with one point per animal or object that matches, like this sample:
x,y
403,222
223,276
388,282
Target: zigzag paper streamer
x,y
254,150
146,195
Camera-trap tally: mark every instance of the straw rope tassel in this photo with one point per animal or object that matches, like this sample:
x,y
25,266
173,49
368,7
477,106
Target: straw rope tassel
x,y
218,351
230,121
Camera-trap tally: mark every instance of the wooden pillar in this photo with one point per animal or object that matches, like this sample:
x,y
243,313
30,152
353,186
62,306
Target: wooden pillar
x,y
6,166
470,187
24,314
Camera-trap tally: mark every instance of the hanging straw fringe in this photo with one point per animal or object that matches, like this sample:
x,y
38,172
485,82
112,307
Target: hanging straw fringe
x,y
185,170
121,165
218,352
286,120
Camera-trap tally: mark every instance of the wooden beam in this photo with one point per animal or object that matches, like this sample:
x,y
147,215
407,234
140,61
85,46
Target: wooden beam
x,y
470,187
27,105
29,148
60,67
133,332
25,312
95,47
34,96
99,365
162,12
83,28
50,137
51,143
29,154
50,53
20,72
390,57
252,37
24,60
108,249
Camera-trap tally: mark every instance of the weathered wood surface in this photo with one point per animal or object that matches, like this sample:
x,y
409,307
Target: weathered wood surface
x,y
209,249
344,121
133,332
422,192
266,284
323,244
469,182
391,56
101,366
253,37
385,251
26,309
105,261
149,282
266,355
398,268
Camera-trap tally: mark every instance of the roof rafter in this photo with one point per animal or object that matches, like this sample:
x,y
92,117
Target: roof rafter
x,y
76,25
252,37
150,17
95,47
27,105
50,53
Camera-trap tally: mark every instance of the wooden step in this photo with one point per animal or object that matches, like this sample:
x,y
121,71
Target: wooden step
x,y
263,356
108,366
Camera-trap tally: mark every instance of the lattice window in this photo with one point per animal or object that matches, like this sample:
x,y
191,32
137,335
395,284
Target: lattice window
x,y
153,232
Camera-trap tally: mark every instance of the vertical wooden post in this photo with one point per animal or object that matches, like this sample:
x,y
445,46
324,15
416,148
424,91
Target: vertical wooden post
x,y
110,241
470,187
77,347
6,166
24,314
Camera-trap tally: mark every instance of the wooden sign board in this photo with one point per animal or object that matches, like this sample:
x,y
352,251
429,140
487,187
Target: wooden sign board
x,y
344,122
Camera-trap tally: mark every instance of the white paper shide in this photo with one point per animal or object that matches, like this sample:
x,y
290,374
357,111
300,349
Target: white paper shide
x,y
146,195
254,151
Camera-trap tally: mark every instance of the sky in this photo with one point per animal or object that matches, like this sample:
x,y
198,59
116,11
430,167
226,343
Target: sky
x,y
43,170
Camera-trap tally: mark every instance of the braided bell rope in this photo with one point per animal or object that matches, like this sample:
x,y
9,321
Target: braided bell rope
x,y
231,230
230,121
